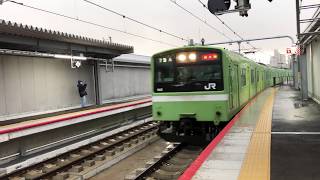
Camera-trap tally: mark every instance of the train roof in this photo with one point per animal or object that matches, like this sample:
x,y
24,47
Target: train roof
x,y
236,57
188,48
239,57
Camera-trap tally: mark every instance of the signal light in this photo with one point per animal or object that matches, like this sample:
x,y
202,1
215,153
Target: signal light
x,y
218,5
209,57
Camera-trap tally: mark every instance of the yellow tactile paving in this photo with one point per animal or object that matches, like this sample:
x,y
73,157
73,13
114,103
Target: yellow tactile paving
x,y
256,165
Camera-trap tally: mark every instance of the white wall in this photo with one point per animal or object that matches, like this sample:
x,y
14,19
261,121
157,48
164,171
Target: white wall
x,y
125,82
310,70
313,59
32,84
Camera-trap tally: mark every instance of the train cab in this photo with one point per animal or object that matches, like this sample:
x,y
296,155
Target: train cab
x,y
189,97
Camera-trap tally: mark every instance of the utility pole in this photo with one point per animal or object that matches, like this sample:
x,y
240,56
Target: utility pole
x,y
239,46
302,60
298,19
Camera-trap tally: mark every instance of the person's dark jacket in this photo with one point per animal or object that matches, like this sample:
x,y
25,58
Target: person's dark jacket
x,y
82,89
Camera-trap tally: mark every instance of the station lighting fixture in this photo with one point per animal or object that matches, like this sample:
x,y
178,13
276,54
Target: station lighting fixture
x,y
75,63
61,56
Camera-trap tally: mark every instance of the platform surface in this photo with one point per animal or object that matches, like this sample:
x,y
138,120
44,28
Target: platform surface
x,y
295,147
276,136
241,154
33,126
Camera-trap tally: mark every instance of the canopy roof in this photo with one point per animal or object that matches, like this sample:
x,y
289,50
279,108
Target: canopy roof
x,y
29,38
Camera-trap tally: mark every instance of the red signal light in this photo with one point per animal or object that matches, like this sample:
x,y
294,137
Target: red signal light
x,y
209,57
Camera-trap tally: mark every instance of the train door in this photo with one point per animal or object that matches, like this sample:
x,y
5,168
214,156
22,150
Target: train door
x,y
257,80
237,85
249,80
233,86
252,82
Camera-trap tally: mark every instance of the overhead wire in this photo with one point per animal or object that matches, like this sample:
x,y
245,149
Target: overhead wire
x,y
136,21
91,23
235,33
198,18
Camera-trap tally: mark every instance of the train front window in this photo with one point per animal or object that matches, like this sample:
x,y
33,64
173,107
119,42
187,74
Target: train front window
x,y
172,74
198,73
165,73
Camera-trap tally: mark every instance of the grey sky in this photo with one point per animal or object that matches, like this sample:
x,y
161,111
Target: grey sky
x,y
265,19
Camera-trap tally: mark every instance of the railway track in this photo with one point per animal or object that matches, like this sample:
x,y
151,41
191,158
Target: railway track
x,y
172,162
86,161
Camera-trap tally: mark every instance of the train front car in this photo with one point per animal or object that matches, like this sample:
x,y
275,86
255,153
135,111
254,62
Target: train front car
x,y
189,96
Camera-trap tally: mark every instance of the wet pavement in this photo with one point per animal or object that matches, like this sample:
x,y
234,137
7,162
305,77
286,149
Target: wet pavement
x,y
226,160
295,146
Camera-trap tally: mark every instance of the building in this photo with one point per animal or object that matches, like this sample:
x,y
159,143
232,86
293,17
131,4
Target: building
x,y
278,60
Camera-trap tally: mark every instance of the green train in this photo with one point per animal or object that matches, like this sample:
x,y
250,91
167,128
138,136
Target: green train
x,y
198,89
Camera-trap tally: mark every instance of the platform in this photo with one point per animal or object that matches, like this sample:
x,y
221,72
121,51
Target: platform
x,y
295,146
275,136
32,126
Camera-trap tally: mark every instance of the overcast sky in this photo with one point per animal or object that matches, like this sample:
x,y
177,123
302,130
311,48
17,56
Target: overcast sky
x,y
265,19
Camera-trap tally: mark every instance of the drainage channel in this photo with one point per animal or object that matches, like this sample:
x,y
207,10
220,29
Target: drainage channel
x,y
172,162
89,160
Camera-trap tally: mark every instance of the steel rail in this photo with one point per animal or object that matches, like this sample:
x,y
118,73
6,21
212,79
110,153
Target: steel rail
x,y
159,162
68,165
173,156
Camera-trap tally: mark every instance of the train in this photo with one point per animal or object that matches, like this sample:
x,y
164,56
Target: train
x,y
198,89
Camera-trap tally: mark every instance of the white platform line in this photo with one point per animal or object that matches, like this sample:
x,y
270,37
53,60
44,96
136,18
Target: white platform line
x,y
297,133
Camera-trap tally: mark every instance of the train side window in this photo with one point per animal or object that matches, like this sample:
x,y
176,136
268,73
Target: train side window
x,y
257,75
243,77
252,76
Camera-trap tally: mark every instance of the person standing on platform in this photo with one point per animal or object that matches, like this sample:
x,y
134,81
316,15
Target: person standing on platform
x,y
82,92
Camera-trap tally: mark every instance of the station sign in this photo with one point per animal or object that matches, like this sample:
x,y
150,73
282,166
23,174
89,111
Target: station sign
x,y
289,51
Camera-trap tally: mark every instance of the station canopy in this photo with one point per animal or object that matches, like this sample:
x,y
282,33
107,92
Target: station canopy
x,y
21,37
312,31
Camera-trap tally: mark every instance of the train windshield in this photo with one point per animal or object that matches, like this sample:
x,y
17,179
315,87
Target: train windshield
x,y
198,74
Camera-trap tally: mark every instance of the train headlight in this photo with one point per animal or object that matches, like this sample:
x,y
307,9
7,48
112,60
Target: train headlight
x,y
192,57
182,57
